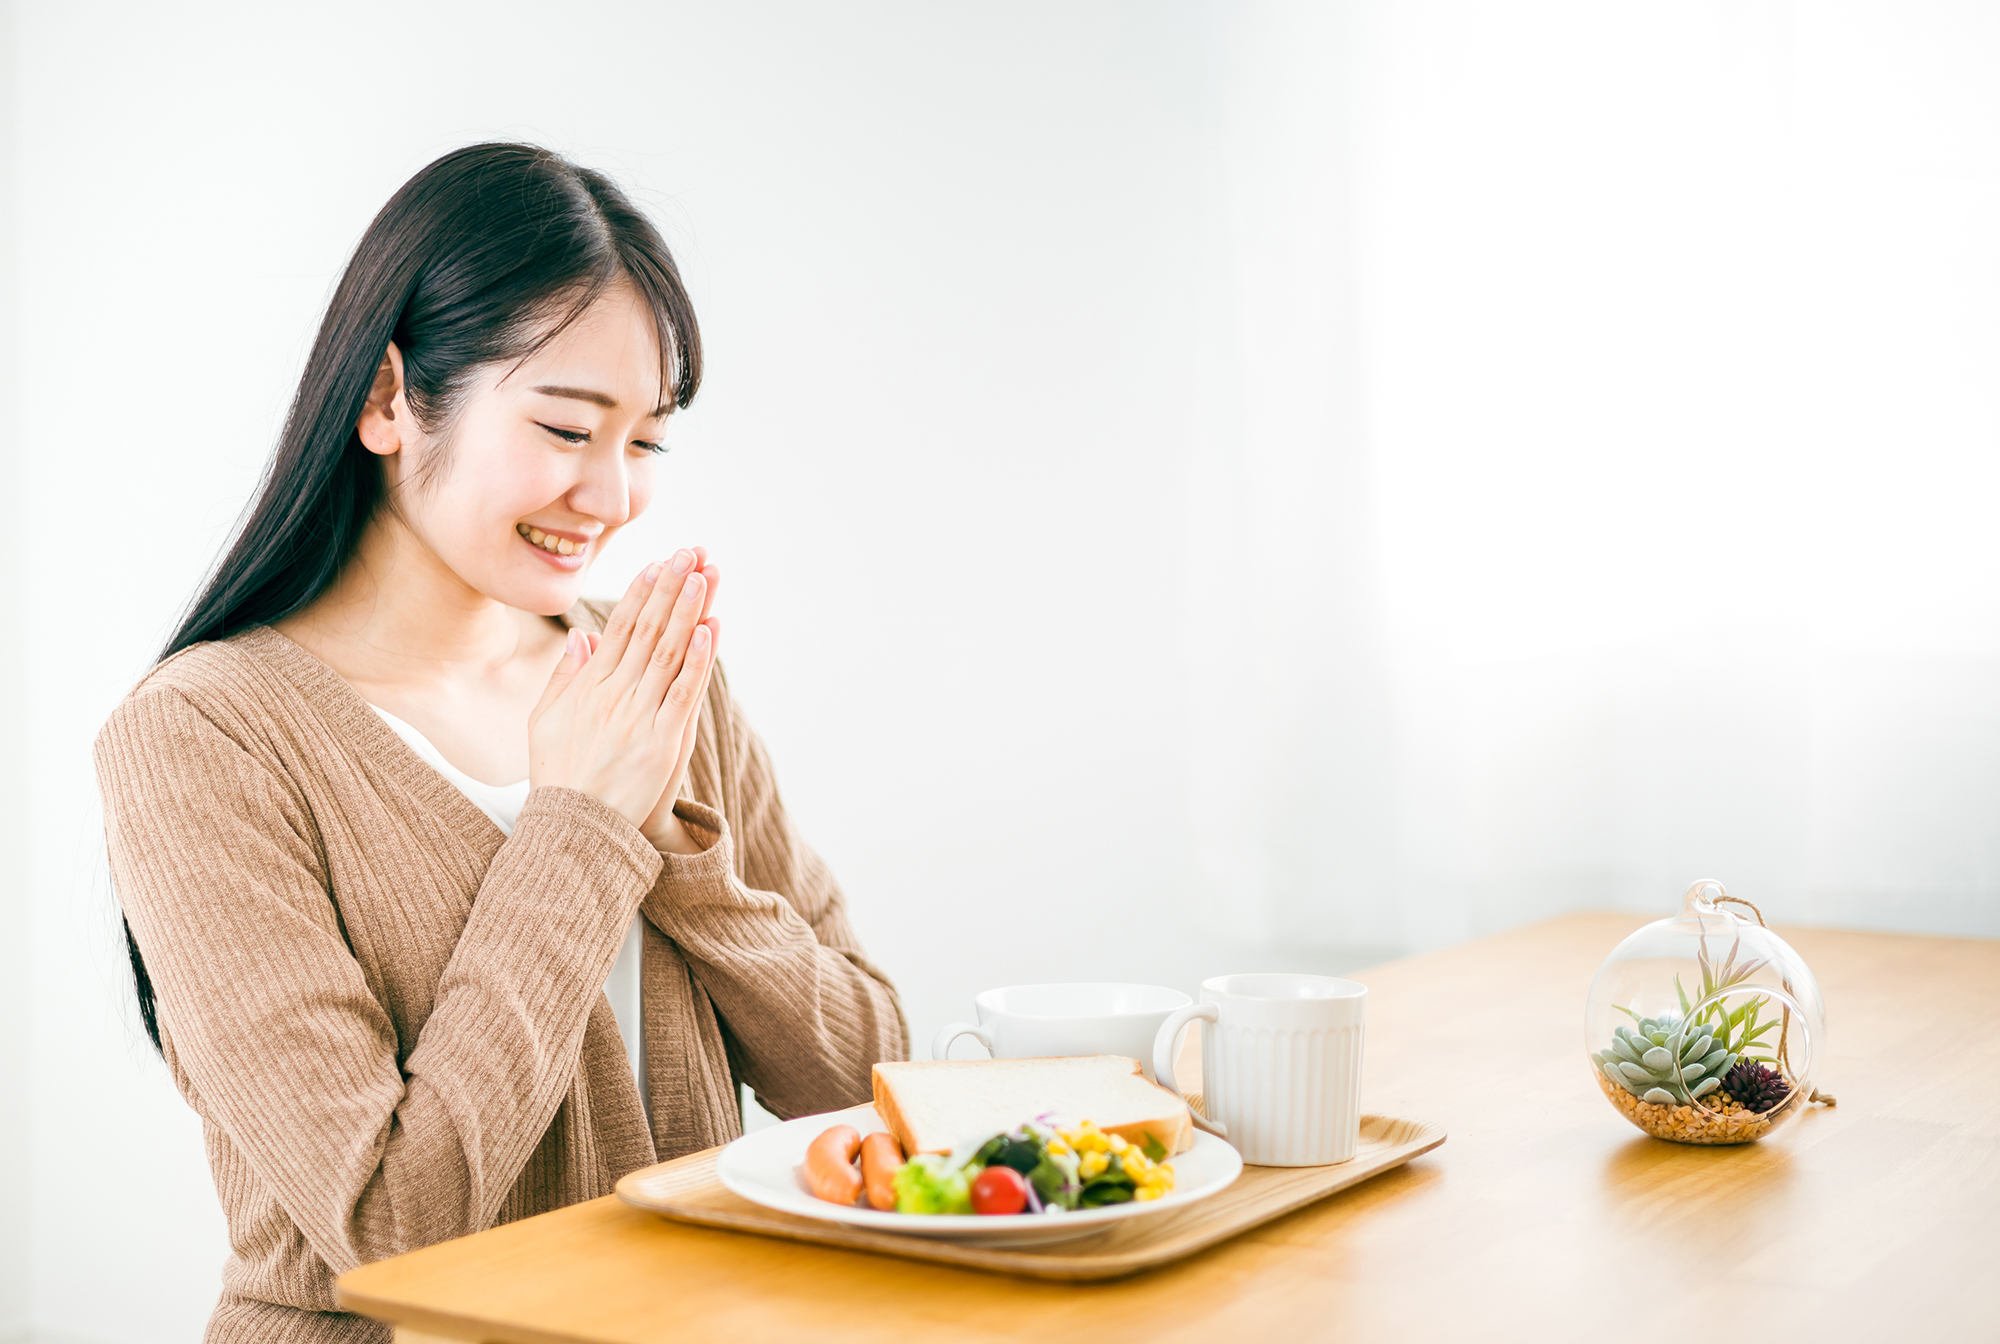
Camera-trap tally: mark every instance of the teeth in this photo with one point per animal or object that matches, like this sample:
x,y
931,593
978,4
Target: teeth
x,y
549,542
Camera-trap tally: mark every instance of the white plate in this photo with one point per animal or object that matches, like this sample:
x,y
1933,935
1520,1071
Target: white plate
x,y
764,1169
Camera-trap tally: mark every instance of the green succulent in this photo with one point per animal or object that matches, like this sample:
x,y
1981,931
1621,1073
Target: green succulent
x,y
1664,1060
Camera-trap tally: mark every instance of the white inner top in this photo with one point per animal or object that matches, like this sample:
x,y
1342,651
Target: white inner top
x,y
503,803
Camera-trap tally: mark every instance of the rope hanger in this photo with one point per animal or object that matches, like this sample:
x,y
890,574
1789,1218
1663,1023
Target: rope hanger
x,y
1785,1031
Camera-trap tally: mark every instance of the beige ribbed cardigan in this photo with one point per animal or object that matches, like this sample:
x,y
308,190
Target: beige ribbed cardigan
x,y
391,1018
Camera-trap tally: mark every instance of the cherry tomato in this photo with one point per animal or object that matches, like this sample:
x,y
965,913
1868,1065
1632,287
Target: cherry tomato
x,y
999,1190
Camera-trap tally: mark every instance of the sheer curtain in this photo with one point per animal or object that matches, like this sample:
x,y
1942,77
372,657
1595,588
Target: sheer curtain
x,y
1602,439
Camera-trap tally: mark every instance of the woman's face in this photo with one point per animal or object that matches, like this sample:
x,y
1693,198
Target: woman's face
x,y
544,461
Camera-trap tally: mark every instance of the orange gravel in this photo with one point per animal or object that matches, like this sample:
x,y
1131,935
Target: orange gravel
x,y
1723,1122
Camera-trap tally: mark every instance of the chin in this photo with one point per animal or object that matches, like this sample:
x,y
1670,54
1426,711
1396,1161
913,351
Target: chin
x,y
548,597
529,579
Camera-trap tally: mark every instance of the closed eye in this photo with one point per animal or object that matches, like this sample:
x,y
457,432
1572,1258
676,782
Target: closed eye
x,y
566,435
656,449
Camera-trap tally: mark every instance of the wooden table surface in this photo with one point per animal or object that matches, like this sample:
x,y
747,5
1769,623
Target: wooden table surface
x,y
1544,1217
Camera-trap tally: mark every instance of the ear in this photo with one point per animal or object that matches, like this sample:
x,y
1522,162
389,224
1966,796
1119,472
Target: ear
x,y
386,426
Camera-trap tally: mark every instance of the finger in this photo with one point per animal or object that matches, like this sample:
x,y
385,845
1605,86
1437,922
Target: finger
x,y
708,572
714,628
683,697
671,650
712,576
576,652
649,623
619,625
593,638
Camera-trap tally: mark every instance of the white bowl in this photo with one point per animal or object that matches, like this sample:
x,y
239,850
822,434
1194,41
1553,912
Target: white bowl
x,y
764,1168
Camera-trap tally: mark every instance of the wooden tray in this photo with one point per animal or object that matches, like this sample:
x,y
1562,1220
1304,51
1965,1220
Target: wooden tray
x,y
686,1189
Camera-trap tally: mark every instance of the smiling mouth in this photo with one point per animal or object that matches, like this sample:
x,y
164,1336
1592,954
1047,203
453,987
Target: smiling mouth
x,y
549,541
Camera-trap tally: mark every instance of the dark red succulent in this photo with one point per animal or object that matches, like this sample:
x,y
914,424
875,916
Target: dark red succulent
x,y
1754,1086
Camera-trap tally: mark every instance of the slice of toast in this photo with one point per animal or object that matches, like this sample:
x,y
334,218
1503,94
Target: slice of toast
x,y
934,1106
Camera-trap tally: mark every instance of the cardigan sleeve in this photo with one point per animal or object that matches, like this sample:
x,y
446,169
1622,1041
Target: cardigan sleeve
x,y
764,928
216,862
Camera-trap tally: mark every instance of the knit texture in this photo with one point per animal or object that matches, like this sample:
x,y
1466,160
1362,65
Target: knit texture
x,y
390,1017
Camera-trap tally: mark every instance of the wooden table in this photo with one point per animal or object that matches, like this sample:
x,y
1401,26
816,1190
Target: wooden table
x,y
1545,1217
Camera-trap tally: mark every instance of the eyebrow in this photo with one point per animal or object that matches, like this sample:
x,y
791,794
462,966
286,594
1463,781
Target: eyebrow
x,y
595,398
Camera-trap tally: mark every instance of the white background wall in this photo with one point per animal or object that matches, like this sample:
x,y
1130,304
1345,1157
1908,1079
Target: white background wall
x,y
1193,480
16,1117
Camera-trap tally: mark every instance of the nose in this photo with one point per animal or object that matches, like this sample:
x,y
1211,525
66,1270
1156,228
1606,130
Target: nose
x,y
603,490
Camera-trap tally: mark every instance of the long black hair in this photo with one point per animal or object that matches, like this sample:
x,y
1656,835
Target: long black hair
x,y
482,257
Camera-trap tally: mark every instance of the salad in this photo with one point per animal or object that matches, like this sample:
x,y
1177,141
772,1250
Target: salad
x,y
1037,1167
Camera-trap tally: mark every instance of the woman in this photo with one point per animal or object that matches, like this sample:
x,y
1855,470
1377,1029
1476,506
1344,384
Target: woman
x,y
396,809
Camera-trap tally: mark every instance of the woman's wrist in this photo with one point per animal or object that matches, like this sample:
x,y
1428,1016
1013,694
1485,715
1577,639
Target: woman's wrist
x,y
671,835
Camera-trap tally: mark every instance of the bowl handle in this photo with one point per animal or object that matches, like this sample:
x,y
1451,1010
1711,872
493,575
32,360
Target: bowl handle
x,y
941,1043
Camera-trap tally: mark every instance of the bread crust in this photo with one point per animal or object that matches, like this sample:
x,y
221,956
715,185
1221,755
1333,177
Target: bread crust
x,y
885,1107
1174,1128
1179,1140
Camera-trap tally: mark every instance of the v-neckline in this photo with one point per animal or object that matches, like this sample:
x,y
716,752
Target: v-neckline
x,y
359,724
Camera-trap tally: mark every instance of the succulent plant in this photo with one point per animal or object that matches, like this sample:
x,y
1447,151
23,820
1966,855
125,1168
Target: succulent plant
x,y
1666,1060
1716,980
1755,1087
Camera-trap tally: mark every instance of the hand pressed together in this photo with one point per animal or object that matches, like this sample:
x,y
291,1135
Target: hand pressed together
x,y
620,715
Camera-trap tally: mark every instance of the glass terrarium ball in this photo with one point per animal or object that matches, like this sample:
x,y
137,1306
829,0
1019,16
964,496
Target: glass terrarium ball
x,y
1703,1028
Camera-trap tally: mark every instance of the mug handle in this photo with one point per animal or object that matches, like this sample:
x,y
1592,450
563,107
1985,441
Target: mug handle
x,y
1163,1057
941,1043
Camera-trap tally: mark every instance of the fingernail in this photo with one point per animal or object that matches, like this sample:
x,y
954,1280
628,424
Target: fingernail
x,y
699,639
652,572
682,559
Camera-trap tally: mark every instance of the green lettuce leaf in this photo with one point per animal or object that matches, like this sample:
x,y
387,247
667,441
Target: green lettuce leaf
x,y
928,1183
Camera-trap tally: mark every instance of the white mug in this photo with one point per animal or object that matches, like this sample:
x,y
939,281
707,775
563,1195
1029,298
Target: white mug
x,y
1280,1065
1034,1021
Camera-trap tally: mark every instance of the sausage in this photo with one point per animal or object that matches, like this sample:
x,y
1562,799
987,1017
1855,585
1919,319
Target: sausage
x,y
830,1172
881,1159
